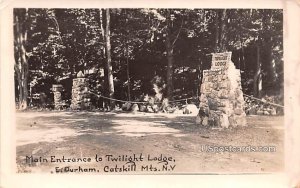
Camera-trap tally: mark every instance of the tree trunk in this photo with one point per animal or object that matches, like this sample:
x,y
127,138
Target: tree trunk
x,y
170,59
223,38
220,36
243,58
20,88
127,62
24,103
257,85
268,66
108,59
105,86
128,75
216,49
199,76
21,64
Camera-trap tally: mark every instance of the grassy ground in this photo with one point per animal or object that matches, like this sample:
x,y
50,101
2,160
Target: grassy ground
x,y
85,134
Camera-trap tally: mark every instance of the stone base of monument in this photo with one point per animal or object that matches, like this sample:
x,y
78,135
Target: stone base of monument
x,y
221,100
80,94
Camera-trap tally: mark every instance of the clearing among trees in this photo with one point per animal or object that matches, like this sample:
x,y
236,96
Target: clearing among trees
x,y
112,83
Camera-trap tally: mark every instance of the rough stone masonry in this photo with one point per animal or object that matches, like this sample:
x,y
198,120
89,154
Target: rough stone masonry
x,y
80,93
221,100
57,89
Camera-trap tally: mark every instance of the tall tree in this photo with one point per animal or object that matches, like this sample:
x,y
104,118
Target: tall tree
x,y
110,78
257,81
21,61
170,55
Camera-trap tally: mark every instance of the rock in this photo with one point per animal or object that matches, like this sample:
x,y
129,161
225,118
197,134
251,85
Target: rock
x,y
135,108
240,99
143,108
223,85
190,109
214,94
117,109
232,121
217,122
231,95
198,120
126,106
222,103
260,112
273,112
149,109
224,121
238,93
203,112
207,86
212,104
215,86
223,94
238,111
224,110
252,111
203,99
219,78
155,108
202,88
204,121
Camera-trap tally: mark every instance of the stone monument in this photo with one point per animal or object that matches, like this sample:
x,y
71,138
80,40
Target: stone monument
x,y
221,100
57,89
80,93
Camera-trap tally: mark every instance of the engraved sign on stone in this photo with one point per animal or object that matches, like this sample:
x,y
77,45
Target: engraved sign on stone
x,y
220,60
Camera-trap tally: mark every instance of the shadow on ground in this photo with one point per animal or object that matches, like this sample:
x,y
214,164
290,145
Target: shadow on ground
x,y
90,133
49,126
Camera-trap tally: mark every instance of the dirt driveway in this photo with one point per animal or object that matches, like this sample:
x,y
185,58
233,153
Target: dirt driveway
x,y
166,143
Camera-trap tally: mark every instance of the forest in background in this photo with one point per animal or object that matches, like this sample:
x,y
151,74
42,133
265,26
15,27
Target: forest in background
x,y
130,53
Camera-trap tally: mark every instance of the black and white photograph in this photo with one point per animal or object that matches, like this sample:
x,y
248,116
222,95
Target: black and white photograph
x,y
149,90
145,94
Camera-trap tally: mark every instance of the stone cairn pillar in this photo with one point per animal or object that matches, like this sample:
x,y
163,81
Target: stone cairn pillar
x,y
221,100
80,93
57,88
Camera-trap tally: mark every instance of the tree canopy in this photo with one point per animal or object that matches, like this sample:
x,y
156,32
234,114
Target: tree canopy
x,y
129,53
